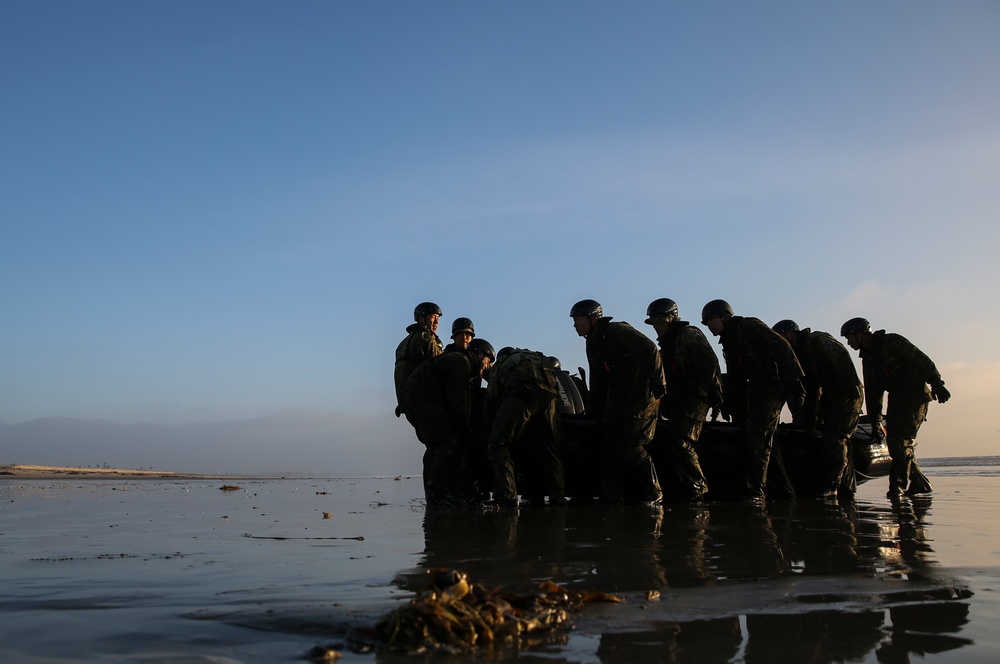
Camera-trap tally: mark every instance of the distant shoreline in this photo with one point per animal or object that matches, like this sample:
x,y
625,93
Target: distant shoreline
x,y
38,472
25,471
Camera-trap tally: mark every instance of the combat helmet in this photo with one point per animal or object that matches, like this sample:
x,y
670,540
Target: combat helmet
x,y
783,327
716,308
483,346
589,308
425,309
462,325
855,326
663,310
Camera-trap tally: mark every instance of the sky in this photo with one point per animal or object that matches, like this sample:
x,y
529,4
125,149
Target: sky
x,y
217,217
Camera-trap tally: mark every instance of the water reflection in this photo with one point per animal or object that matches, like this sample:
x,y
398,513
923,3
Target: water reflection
x,y
734,547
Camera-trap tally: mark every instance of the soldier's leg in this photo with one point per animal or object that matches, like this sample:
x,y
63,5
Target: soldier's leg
x,y
511,418
426,434
549,454
442,461
639,473
835,459
849,479
901,451
477,469
762,421
678,451
779,483
902,422
840,421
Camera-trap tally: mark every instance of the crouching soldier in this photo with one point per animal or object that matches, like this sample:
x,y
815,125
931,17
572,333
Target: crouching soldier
x,y
834,397
521,403
694,388
762,375
626,384
437,405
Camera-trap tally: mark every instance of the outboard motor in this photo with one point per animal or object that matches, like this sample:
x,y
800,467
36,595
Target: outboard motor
x,y
570,401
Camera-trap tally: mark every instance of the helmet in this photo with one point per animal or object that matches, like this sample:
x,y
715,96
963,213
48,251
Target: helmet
x,y
554,361
462,325
663,310
504,352
425,309
589,308
785,326
483,346
854,326
716,308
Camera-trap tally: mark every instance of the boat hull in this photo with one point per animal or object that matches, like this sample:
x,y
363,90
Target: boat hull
x,y
721,455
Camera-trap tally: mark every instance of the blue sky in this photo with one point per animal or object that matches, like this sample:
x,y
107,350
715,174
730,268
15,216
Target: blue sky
x,y
216,212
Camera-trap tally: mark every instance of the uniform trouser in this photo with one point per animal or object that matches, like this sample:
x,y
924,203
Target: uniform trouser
x,y
764,464
840,413
624,456
442,461
682,432
527,421
902,421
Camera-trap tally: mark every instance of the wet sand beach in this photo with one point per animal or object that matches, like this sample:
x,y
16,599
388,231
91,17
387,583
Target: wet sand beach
x,y
185,568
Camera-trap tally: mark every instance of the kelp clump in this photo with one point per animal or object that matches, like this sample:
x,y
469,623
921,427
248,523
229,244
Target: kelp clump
x,y
456,616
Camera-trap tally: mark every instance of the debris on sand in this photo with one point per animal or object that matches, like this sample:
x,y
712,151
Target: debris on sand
x,y
455,616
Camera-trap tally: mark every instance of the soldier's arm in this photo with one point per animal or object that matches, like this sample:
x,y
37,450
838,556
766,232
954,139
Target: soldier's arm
x,y
874,392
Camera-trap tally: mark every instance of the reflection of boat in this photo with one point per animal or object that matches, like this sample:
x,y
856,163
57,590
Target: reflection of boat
x,y
720,451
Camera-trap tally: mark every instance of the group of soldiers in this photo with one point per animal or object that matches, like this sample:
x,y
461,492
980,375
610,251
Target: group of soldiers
x,y
636,385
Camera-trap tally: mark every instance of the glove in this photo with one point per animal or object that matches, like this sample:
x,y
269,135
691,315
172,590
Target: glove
x,y
658,390
939,392
796,395
878,432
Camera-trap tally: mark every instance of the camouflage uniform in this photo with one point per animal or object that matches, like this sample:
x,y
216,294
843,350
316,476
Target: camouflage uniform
x,y
477,471
833,402
437,405
521,402
691,370
760,370
895,366
420,344
626,384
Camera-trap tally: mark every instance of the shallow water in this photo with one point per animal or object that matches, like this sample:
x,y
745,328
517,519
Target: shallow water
x,y
152,570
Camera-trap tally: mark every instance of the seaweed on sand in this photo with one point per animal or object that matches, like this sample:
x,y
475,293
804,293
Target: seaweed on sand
x,y
456,616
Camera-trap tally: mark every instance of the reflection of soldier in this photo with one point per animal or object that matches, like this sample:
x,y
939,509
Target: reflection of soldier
x,y
893,365
437,405
691,370
821,636
626,383
819,536
708,640
833,400
761,374
521,407
421,343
